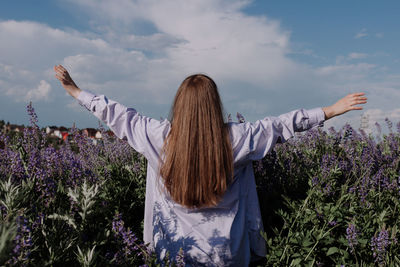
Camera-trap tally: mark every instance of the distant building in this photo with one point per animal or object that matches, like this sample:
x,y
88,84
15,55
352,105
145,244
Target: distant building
x,y
92,134
62,132
50,129
59,132
13,128
64,135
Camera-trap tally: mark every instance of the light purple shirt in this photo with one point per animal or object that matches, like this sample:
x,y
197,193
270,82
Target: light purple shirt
x,y
227,234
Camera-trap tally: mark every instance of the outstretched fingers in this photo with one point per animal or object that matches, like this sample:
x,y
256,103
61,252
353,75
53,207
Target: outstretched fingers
x,y
58,68
59,77
66,81
357,99
359,94
61,71
356,108
63,75
347,103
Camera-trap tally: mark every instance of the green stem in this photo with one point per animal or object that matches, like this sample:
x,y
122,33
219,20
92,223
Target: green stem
x,y
327,232
294,221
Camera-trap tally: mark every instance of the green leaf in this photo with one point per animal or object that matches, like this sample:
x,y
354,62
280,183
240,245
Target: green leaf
x,y
382,215
362,241
295,262
307,243
332,250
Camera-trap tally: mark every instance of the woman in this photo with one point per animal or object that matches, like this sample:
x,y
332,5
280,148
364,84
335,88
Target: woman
x,y
200,189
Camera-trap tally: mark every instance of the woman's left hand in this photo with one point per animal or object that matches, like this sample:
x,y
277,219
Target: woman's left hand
x,y
345,104
66,81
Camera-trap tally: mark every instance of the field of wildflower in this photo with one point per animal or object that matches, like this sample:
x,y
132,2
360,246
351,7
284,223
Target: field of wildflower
x,y
327,198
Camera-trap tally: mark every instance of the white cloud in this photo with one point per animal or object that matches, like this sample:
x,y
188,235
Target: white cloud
x,y
345,72
364,33
361,34
31,44
154,42
211,36
220,42
15,81
357,55
33,49
344,60
39,93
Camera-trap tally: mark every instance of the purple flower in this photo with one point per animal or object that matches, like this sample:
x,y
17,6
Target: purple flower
x,y
23,243
32,115
348,132
352,189
3,211
351,236
314,181
327,189
332,223
39,221
389,124
379,245
128,240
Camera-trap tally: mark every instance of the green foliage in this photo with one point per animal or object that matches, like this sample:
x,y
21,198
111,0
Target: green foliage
x,y
320,186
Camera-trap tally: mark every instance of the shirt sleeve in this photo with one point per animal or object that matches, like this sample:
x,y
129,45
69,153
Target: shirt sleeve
x,y
144,134
252,141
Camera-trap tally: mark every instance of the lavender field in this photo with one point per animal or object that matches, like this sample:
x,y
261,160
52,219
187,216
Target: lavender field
x,y
327,198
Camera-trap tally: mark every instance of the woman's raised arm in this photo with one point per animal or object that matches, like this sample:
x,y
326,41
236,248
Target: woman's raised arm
x,y
144,134
257,139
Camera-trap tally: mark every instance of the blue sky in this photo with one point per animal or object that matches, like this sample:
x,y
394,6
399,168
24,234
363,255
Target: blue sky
x,y
268,57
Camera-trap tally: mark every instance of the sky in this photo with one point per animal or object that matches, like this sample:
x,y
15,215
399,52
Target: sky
x,y
267,57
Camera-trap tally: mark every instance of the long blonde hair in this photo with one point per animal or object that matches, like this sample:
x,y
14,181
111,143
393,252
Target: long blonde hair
x,y
198,160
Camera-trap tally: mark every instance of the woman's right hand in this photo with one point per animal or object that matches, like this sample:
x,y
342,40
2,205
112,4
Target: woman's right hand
x,y
344,105
66,81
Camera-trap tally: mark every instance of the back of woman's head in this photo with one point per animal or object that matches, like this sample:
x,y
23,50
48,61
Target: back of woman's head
x,y
198,162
